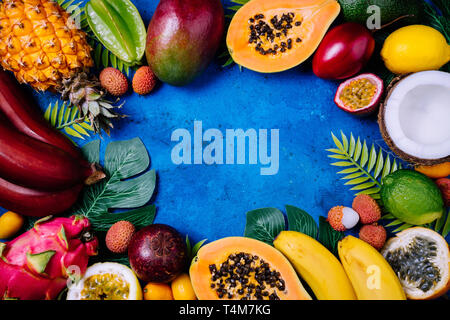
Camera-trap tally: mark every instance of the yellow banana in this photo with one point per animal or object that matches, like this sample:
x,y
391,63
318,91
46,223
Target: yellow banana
x,y
316,265
370,274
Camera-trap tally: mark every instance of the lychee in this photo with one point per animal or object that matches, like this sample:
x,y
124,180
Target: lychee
x,y
114,81
144,81
342,218
367,208
119,236
373,234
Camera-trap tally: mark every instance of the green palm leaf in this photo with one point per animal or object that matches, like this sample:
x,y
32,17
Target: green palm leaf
x,y
102,57
66,118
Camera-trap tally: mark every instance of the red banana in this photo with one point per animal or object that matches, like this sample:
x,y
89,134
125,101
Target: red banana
x,y
34,164
36,203
25,115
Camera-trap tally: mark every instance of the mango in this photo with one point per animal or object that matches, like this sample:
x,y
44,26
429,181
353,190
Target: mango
x,y
183,37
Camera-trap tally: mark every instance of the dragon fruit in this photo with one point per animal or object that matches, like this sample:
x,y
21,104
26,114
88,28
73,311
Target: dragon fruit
x,y
38,264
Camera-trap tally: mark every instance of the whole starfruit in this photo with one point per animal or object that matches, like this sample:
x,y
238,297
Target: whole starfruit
x,y
38,264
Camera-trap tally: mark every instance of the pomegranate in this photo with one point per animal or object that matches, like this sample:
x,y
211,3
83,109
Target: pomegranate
x,y
360,95
157,253
344,51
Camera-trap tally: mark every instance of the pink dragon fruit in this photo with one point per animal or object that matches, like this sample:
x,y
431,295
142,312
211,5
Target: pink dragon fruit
x,y
37,264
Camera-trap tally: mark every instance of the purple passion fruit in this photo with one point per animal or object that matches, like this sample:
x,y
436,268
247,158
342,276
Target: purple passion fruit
x,y
360,95
157,253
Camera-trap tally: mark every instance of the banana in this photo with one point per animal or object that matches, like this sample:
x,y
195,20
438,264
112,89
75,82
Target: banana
x,y
316,265
370,274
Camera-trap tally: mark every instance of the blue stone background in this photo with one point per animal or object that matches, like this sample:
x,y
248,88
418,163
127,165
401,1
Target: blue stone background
x,y
210,202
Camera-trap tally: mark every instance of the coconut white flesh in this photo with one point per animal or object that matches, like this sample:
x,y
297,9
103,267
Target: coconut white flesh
x,y
417,115
118,269
441,260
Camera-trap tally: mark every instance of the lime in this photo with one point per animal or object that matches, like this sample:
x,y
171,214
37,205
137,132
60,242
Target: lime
x,y
412,197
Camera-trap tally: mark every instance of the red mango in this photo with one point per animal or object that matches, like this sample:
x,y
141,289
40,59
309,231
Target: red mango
x,y
344,51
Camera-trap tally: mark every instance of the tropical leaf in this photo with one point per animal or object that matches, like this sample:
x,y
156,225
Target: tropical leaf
x,y
66,118
300,221
364,167
123,161
264,224
102,57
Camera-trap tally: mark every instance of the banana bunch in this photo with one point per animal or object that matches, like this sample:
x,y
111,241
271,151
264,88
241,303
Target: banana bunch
x,y
364,274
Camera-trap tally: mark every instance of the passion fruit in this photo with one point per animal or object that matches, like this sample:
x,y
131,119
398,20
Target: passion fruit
x,y
157,253
106,281
421,259
360,95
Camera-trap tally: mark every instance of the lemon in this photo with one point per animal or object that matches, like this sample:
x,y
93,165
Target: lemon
x,y
415,48
10,224
182,288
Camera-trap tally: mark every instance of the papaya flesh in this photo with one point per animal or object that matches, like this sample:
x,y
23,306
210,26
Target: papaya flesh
x,y
238,268
277,35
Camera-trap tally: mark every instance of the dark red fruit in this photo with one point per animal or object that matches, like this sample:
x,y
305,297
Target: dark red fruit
x,y
444,186
183,37
344,51
360,95
157,253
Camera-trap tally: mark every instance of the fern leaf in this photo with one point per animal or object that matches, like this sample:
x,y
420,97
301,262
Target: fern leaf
x,y
65,118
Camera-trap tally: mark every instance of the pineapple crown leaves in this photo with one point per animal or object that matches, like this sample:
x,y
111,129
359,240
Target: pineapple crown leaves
x,y
85,94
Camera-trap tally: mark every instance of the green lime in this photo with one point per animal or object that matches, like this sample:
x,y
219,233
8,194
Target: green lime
x,y
412,197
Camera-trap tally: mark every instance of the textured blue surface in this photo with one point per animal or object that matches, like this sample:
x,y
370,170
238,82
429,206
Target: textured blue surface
x,y
211,201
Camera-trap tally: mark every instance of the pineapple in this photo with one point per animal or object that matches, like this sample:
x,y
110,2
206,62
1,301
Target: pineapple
x,y
41,45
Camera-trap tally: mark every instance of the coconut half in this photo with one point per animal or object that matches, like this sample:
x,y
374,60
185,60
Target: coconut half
x,y
415,118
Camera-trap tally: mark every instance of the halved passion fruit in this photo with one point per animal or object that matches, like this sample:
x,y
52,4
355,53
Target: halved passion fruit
x,y
360,95
106,281
421,259
276,35
239,268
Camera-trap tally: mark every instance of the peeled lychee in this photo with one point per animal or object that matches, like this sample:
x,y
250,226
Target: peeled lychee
x,y
367,208
342,218
114,81
119,236
144,81
373,234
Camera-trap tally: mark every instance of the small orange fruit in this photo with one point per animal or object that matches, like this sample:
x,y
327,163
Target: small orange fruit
x,y
144,81
10,224
182,288
157,291
436,171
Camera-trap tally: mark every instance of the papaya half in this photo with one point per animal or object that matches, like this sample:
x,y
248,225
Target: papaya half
x,y
238,268
277,35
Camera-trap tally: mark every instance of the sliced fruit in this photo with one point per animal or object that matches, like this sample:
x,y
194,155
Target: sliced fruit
x,y
246,261
421,259
370,274
360,95
316,265
273,36
412,197
436,171
414,118
106,281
